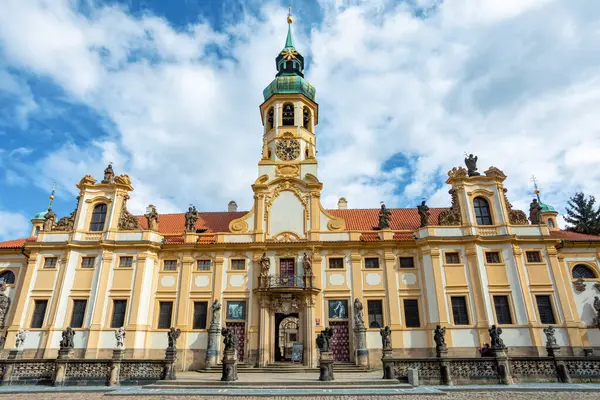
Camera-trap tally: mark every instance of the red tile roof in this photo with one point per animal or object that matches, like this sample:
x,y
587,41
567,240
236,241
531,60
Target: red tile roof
x,y
211,221
574,236
367,219
15,244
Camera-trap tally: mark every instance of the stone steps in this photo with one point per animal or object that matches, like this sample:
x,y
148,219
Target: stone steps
x,y
305,384
287,368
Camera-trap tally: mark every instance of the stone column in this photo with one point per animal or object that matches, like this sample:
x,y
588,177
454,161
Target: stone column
x,y
60,374
229,373
212,350
115,368
503,366
170,361
326,366
360,342
264,334
388,364
310,359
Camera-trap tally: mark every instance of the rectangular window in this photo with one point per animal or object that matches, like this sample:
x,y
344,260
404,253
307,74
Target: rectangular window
x,y
165,311
492,257
375,312
200,310
170,265
238,265
336,263
372,262
502,307
452,258
411,313
407,262
459,310
88,262
50,262
118,317
545,309
78,313
39,312
203,265
126,262
533,256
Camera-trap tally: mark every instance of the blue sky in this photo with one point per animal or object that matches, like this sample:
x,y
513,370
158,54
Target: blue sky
x,y
169,92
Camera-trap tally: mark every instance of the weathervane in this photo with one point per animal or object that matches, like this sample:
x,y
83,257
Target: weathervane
x,y
535,185
289,16
52,196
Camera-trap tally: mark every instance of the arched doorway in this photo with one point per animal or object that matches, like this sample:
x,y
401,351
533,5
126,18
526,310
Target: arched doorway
x,y
287,332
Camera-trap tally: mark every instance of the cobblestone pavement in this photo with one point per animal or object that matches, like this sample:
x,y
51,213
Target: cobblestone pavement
x,y
450,396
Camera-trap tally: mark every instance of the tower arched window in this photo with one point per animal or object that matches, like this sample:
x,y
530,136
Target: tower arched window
x,y
7,277
98,218
551,223
270,119
583,271
482,211
288,114
306,118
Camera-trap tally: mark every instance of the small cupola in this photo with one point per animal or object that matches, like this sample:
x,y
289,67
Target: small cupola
x,y
232,206
342,204
547,213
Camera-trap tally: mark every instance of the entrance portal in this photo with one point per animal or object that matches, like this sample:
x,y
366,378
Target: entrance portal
x,y
286,334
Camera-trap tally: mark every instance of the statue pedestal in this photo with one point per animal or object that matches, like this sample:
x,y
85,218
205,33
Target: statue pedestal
x,y
212,349
15,354
442,353
362,354
501,356
115,367
65,354
388,364
229,373
553,351
326,366
170,360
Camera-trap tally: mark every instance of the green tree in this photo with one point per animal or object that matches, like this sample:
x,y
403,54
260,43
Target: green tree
x,y
581,214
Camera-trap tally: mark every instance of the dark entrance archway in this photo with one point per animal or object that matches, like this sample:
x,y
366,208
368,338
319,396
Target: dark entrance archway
x,y
287,330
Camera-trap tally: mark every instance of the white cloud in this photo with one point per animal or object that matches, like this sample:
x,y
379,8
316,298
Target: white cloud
x,y
516,82
13,225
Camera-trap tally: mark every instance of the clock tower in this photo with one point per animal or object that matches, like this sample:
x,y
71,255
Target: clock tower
x,y
287,192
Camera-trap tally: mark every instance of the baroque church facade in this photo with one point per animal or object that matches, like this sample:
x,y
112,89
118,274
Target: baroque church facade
x,y
281,272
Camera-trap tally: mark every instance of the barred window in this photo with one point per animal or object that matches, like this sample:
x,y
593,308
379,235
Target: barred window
x,y
407,262
200,311
583,271
545,309
118,316
533,256
459,310
375,313
165,312
503,315
203,265
482,211
411,313
372,262
170,265
7,277
452,258
98,218
88,262
336,263
78,313
492,257
238,265
39,312
50,262
125,262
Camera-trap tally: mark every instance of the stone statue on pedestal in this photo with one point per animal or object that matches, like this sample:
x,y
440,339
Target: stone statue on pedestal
x,y
497,342
4,304
471,163
359,319
386,341
307,265
190,219
173,335
265,265
216,312
550,339
109,175
120,336
49,221
20,339
152,218
67,339
423,213
439,337
385,216
324,340
535,212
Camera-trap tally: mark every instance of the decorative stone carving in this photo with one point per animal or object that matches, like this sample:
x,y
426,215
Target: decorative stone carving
x,y
109,175
551,346
229,339
20,338
497,342
123,179
265,265
4,304
597,286
579,285
127,221
152,218
86,181
359,318
535,212
285,304
287,171
49,221
457,173
324,340
67,339
423,213
597,309
385,216
190,219
173,335
515,217
471,163
451,216
307,265
386,342
439,337
120,337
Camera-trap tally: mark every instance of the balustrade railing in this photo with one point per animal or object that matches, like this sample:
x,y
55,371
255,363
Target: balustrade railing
x,y
286,281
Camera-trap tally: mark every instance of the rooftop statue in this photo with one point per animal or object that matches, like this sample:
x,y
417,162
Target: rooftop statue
x,y
109,175
190,219
385,216
423,213
471,163
535,210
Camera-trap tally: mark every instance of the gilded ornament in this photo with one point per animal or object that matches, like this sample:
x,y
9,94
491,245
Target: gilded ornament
x,y
287,149
287,171
289,54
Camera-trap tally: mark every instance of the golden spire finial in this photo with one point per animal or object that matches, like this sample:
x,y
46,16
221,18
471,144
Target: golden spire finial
x,y
52,195
289,16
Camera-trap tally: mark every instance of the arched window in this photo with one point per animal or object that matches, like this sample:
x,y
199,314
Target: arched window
x,y
7,277
551,223
306,118
482,211
270,121
583,271
98,218
37,230
288,114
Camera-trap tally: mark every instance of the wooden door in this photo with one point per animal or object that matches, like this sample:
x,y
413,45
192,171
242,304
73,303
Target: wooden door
x,y
287,267
239,330
340,342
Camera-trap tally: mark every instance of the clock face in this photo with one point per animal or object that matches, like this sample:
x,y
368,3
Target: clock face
x,y
288,149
